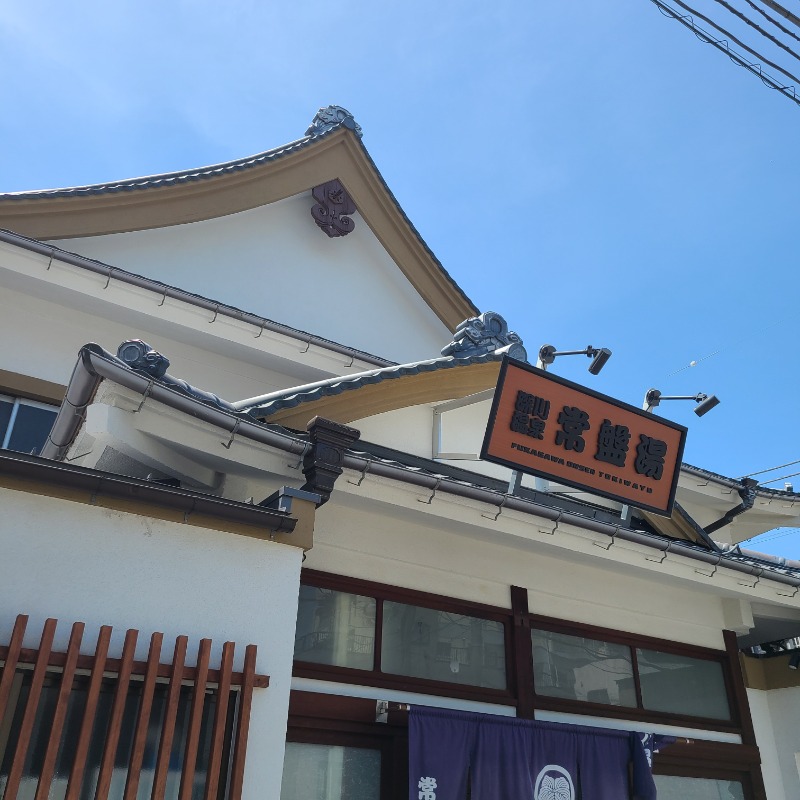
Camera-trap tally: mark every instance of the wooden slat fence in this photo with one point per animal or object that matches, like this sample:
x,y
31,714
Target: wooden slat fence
x,y
42,663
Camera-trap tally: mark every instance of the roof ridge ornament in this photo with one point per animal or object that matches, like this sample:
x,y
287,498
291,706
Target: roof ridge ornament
x,y
330,117
487,333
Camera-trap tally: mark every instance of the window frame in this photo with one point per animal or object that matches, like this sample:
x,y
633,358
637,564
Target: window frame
x,y
16,401
637,713
385,680
350,722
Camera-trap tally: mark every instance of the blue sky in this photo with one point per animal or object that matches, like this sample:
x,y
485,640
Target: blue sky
x,y
591,171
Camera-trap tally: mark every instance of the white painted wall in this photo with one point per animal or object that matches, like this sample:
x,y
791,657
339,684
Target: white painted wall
x,y
352,539
779,726
779,772
84,563
274,261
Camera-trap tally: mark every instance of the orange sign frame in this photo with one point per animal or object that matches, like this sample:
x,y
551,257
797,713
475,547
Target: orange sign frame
x,y
547,426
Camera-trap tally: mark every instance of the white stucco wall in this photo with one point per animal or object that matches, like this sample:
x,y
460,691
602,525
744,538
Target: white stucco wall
x,y
776,717
452,560
274,261
85,563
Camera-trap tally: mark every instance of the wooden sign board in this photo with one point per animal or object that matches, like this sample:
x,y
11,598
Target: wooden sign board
x,y
544,425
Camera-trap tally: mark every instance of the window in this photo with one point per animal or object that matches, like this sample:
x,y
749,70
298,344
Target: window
x,y
580,668
87,725
330,772
24,424
671,787
682,685
443,646
575,664
76,704
335,628
366,633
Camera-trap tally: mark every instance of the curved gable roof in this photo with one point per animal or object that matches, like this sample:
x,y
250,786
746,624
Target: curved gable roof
x,y
193,195
352,397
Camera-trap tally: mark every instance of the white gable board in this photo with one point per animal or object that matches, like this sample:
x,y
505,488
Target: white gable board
x,y
274,261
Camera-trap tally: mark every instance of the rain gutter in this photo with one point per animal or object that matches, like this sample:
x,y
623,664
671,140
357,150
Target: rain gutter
x,y
163,289
95,364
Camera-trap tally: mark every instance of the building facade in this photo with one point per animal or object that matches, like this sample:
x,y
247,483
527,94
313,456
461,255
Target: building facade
x,y
223,453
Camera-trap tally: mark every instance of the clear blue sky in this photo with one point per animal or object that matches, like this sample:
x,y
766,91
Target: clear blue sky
x,y
590,170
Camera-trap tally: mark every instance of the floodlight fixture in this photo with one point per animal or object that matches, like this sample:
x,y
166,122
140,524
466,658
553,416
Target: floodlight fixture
x,y
704,402
599,356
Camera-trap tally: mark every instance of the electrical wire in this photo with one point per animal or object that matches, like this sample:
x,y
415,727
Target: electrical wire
x,y
737,41
748,21
793,475
724,47
728,346
774,21
771,469
784,12
790,532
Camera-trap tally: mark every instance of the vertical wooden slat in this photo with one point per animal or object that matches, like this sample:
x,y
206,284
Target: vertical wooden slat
x,y
117,709
60,715
92,697
15,645
170,714
37,681
143,721
220,720
195,719
243,722
522,658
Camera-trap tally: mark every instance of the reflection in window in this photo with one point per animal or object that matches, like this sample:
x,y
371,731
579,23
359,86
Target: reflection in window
x,y
682,685
577,668
330,772
335,628
24,424
671,787
10,727
443,646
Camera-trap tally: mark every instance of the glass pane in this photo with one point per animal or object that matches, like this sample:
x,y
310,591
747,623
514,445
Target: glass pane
x,y
330,772
682,685
31,428
577,668
335,628
5,416
443,646
10,727
673,788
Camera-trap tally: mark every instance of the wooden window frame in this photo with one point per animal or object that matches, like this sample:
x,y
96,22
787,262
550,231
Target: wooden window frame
x,y
639,713
350,722
384,680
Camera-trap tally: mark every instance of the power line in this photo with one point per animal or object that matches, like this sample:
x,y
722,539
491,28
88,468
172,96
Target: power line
x,y
772,469
737,41
747,338
783,478
784,12
748,21
723,46
774,21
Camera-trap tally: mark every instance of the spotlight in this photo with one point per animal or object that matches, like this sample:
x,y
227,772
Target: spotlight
x,y
706,404
653,398
599,356
599,361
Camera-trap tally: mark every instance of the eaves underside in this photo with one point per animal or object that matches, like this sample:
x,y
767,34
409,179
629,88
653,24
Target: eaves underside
x,y
193,196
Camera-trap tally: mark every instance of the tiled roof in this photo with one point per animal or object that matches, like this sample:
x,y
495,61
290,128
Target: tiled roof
x,y
264,406
170,178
